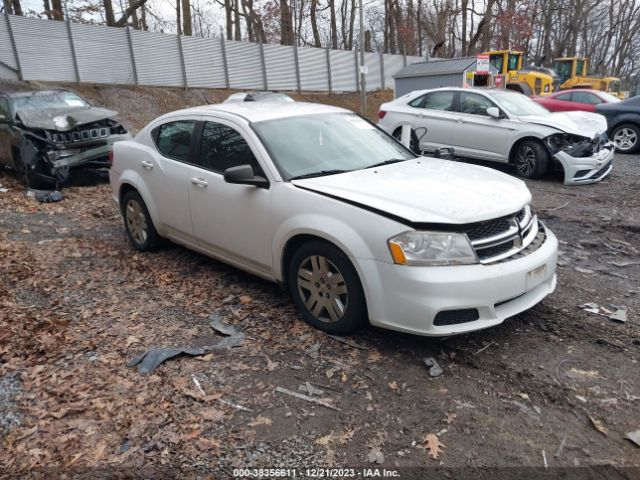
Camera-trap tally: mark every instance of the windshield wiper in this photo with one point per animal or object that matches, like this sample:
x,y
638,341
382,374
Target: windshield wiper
x,y
321,173
387,162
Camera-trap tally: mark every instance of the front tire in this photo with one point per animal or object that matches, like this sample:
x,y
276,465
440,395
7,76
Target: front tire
x,y
531,159
626,137
326,289
137,222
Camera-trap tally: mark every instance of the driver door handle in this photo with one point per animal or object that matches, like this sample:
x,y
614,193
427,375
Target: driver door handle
x,y
147,164
199,182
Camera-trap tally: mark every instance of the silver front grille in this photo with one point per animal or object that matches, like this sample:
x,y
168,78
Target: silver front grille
x,y
79,135
499,239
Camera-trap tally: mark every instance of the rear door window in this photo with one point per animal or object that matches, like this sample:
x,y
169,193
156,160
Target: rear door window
x,y
173,139
586,97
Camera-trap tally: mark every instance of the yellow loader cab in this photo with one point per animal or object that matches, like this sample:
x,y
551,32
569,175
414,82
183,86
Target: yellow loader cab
x,y
573,74
528,80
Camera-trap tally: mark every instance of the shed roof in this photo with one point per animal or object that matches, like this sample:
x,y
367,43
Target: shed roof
x,y
436,67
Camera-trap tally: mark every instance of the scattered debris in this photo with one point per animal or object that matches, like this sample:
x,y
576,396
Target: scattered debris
x,y
150,360
312,351
584,270
310,389
561,447
433,445
3,189
581,398
347,341
484,348
620,315
45,196
342,438
544,459
245,300
235,405
375,456
198,386
623,264
306,398
556,208
597,424
634,437
260,420
435,370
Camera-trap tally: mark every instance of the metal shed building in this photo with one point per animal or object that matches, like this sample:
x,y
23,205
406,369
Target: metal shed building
x,y
434,74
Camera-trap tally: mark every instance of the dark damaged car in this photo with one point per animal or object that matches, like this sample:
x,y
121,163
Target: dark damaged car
x,y
45,135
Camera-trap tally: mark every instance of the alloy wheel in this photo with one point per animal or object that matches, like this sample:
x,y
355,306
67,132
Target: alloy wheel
x,y
625,139
322,288
136,221
525,161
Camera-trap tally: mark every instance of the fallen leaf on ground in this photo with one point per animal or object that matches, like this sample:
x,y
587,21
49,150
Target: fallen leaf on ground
x,y
245,300
433,444
584,373
393,386
260,420
597,424
335,438
207,443
375,456
451,416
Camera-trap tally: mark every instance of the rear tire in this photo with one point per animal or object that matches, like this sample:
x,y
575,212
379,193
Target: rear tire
x,y
326,289
626,137
531,159
138,223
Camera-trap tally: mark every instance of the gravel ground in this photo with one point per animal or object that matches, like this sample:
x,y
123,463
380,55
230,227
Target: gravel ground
x,y
555,384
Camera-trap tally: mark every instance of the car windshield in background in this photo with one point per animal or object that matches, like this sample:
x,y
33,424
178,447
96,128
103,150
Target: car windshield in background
x,y
325,144
518,104
49,100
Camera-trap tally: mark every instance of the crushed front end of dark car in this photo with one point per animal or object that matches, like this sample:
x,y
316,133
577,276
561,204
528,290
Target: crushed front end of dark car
x,y
52,133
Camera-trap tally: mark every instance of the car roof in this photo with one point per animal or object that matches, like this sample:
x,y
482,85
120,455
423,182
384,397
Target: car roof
x,y
263,110
28,93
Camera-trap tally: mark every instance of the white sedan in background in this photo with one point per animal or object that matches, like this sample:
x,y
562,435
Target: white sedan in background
x,y
503,126
353,224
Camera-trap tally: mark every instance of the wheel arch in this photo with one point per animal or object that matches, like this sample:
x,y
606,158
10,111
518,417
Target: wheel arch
x,y
129,180
517,143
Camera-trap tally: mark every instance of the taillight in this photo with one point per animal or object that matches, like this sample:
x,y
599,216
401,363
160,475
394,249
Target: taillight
x,y
110,158
381,114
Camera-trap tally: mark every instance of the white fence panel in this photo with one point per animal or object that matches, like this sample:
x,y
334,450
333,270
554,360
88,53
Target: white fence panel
x,y
343,71
6,52
281,67
157,58
245,65
392,65
103,54
204,62
372,62
313,69
43,48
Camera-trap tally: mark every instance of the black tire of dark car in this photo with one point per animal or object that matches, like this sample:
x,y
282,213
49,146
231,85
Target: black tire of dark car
x,y
314,270
27,176
631,133
138,223
414,144
531,159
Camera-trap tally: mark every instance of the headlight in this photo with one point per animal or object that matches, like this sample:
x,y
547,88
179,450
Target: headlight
x,y
432,248
574,145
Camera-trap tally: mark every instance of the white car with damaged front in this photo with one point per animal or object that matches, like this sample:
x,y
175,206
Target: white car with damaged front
x,y
354,225
503,126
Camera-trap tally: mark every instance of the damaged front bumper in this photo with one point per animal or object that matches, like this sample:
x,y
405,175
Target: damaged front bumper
x,y
584,170
74,156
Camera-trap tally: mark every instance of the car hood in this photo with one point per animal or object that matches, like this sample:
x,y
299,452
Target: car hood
x,y
427,190
63,119
585,124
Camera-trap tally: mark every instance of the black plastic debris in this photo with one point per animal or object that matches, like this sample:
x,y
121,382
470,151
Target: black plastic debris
x,y
147,362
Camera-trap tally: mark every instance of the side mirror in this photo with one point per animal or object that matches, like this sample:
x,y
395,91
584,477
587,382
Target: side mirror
x,y
444,153
243,175
494,112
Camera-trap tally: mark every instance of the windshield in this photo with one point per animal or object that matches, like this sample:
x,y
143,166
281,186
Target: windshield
x,y
331,143
46,100
563,69
519,104
513,61
608,97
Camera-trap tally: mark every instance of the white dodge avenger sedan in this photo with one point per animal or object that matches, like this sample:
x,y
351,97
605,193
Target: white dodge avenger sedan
x,y
354,225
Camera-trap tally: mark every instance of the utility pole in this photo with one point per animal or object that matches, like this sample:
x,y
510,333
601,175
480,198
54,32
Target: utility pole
x,y
363,80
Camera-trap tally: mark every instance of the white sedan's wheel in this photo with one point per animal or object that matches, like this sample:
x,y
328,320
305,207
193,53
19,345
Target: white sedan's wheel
x,y
323,289
137,222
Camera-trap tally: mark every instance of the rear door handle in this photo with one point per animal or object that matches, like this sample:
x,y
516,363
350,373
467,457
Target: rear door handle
x,y
147,164
199,182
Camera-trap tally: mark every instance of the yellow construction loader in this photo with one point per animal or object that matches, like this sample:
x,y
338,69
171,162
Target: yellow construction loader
x,y
573,74
529,80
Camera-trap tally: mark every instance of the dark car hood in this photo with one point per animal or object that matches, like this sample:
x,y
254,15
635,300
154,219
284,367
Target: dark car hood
x,y
63,119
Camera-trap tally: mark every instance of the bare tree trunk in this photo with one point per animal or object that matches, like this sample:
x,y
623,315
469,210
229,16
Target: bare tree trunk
x,y
56,9
47,9
333,25
178,17
352,21
108,11
143,18
186,18
286,25
248,21
314,24
228,11
236,22
17,8
134,18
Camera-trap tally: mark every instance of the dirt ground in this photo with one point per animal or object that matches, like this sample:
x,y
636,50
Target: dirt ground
x,y
555,385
